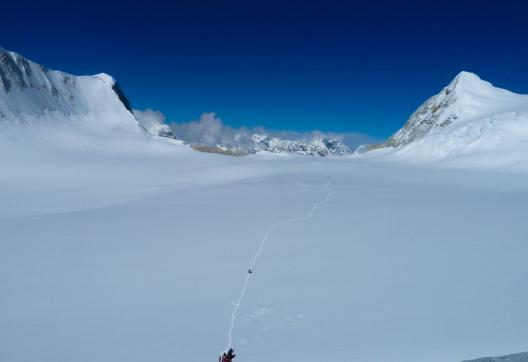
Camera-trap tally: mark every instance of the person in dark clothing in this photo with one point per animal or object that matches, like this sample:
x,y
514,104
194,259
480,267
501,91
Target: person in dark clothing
x,y
227,356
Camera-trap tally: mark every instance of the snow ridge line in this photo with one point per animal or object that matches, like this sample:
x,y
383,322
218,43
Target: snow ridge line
x,y
330,193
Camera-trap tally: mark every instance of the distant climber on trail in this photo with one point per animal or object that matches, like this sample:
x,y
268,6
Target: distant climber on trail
x,y
228,356
250,271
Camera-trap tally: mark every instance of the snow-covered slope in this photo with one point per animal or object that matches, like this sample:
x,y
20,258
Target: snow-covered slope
x,y
518,357
31,94
139,253
469,117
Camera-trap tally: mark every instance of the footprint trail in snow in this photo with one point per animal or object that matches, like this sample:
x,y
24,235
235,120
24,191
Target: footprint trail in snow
x,y
269,230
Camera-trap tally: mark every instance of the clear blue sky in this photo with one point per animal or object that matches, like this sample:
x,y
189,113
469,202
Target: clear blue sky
x,y
331,65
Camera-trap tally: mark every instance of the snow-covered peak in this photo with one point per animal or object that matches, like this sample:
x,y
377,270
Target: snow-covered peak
x,y
32,94
468,117
106,78
466,80
465,98
471,91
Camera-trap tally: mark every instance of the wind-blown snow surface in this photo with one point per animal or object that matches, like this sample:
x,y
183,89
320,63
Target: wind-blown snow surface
x,y
124,249
518,357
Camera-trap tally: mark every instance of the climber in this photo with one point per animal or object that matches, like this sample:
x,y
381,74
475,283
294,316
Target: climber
x,y
227,356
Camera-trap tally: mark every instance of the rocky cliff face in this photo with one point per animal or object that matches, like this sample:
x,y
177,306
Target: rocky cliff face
x,y
434,113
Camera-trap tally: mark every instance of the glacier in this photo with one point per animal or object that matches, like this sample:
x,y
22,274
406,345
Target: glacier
x,y
119,246
137,252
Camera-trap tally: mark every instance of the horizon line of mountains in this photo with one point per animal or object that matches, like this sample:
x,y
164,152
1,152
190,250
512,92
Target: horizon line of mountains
x,y
463,114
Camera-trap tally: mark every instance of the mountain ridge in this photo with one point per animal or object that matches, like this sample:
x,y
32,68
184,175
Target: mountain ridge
x,y
32,93
314,146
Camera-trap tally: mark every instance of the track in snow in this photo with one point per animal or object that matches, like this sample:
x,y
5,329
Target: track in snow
x,y
330,193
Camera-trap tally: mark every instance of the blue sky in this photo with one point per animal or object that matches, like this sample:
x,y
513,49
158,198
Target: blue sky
x,y
338,66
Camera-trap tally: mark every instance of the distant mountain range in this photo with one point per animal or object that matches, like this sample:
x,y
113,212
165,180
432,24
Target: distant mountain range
x,y
315,146
469,117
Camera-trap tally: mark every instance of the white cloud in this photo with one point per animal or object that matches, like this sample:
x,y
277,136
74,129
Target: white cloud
x,y
210,130
150,119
